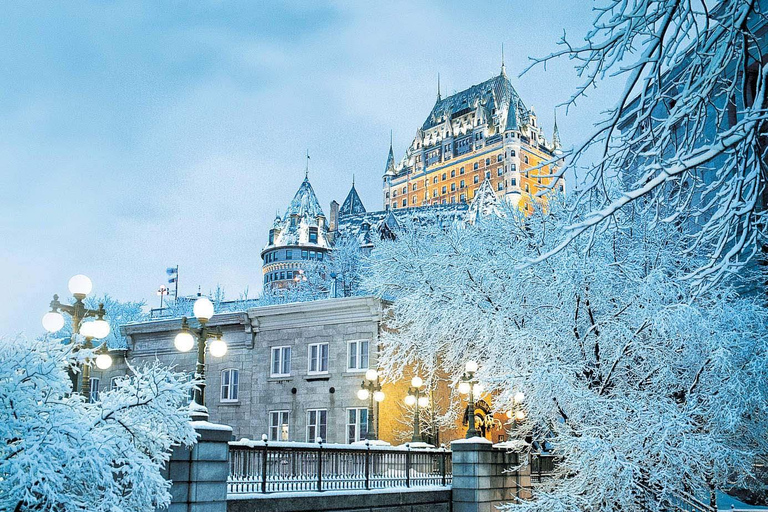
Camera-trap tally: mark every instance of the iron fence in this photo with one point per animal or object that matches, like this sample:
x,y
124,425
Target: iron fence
x,y
259,467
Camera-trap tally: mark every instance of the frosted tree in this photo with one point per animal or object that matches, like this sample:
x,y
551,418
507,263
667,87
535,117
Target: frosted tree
x,y
687,132
646,390
58,452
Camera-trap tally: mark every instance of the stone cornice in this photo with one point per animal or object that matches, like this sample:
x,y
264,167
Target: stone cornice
x,y
317,312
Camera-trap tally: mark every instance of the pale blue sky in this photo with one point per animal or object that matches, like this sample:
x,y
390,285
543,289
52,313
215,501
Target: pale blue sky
x,y
140,135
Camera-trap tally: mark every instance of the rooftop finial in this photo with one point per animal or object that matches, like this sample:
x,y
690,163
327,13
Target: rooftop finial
x,y
503,68
306,169
438,87
353,180
390,138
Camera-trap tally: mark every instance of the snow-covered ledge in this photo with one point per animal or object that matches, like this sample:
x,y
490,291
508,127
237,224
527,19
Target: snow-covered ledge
x,y
482,478
199,475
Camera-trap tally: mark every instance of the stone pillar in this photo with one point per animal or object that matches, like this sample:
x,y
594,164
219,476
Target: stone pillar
x,y
199,475
482,478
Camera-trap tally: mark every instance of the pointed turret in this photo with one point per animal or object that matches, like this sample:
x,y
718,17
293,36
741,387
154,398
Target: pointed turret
x,y
503,67
438,89
389,169
556,145
352,204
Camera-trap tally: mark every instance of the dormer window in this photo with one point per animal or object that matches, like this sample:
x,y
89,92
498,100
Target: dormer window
x,y
271,236
293,221
313,235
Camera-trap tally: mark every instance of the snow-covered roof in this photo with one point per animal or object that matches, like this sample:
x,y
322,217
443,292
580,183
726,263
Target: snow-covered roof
x,y
305,202
352,204
304,212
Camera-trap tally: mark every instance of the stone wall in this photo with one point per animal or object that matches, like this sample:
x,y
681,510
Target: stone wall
x,y
389,500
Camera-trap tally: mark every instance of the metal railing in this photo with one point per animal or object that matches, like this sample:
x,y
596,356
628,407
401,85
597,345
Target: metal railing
x,y
260,467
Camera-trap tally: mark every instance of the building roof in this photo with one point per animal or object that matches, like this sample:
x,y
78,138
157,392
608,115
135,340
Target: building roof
x,y
304,203
352,204
495,93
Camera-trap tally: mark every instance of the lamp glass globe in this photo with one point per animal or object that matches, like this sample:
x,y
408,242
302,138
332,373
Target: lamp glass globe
x,y
464,388
417,382
87,330
53,321
218,348
410,400
520,415
184,342
363,394
510,413
371,374
378,396
478,389
519,397
100,329
103,361
471,366
80,285
203,308
423,401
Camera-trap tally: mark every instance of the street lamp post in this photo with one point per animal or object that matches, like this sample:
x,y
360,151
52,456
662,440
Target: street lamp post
x,y
80,286
470,386
517,415
417,398
185,340
370,389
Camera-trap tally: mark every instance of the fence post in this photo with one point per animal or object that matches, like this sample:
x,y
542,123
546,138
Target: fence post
x,y
442,463
264,465
367,464
320,465
407,464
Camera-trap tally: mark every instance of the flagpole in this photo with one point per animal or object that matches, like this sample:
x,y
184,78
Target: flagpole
x,y
176,293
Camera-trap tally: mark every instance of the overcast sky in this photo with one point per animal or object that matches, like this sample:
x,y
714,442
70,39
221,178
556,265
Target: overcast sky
x,y
140,135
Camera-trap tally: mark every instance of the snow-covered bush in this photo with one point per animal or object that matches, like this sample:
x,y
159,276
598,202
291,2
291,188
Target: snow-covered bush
x,y
58,452
637,381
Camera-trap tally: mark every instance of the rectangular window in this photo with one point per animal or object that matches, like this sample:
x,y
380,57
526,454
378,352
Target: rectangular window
x,y
318,358
311,255
434,180
289,254
319,256
94,396
461,185
498,158
289,275
453,187
357,355
499,171
229,385
278,426
317,424
443,189
281,362
514,182
461,171
282,274
313,235
304,255
357,424
405,203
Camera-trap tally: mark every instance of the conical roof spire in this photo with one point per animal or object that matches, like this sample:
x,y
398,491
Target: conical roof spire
x,y
352,204
389,169
503,67
556,135
438,87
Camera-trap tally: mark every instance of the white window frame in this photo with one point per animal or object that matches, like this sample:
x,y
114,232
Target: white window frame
x,y
317,428
275,429
280,350
357,425
318,370
94,394
232,384
355,348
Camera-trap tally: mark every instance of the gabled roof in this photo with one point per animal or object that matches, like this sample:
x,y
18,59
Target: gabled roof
x,y
304,203
352,204
493,93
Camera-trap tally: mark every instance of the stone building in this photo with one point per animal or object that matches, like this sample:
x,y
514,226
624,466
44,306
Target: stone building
x,y
291,371
482,133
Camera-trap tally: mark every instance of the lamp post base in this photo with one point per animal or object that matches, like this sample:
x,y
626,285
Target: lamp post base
x,y
198,412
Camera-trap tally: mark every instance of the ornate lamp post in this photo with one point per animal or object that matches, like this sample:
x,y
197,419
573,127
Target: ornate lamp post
x,y
470,386
185,340
370,389
417,398
519,414
80,286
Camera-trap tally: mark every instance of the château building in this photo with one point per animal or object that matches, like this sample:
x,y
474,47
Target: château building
x,y
482,133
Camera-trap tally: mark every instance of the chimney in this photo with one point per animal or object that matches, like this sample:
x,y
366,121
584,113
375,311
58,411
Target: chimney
x,y
334,222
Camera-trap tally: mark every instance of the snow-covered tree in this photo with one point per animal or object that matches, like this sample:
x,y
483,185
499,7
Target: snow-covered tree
x,y
118,313
642,386
687,132
58,452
